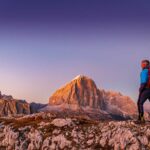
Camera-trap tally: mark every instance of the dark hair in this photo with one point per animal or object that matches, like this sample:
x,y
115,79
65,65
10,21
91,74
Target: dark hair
x,y
147,61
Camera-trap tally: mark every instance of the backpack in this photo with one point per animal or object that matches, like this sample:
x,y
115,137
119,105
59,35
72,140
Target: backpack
x,y
148,83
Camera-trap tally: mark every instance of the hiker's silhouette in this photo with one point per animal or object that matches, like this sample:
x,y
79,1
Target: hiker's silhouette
x,y
144,90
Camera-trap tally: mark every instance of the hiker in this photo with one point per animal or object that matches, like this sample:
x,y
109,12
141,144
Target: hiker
x,y
144,90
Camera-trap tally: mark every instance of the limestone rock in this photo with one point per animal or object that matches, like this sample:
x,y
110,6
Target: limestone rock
x,y
71,133
81,91
82,94
10,106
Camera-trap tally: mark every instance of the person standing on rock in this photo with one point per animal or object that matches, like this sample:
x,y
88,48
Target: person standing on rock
x,y
144,90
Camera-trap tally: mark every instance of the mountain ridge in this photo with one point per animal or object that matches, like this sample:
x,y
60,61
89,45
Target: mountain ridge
x,y
83,93
10,106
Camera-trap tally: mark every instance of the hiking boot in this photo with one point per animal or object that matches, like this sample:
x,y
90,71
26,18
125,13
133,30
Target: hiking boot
x,y
140,119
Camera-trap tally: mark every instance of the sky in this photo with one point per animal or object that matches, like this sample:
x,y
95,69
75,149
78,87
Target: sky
x,y
44,44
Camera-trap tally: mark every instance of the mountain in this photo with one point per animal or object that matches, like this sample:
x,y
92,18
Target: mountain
x,y
35,107
118,104
10,106
79,97
82,94
81,91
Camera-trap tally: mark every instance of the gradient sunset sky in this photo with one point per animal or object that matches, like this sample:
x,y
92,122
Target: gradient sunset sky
x,y
45,43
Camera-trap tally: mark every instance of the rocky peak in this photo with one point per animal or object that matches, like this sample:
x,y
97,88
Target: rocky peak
x,y
81,91
10,106
7,97
118,104
81,77
82,94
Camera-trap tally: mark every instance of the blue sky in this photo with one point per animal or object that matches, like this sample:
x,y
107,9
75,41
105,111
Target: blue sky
x,y
44,44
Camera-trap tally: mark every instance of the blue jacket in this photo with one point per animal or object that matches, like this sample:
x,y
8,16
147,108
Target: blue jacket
x,y
144,76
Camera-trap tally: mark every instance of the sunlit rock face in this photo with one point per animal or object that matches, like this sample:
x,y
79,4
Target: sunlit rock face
x,y
118,104
82,94
10,106
81,91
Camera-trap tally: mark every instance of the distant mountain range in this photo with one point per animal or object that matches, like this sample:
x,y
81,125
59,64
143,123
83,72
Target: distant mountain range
x,y
79,97
11,107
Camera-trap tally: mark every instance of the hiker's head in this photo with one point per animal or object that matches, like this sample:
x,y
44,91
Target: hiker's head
x,y
145,64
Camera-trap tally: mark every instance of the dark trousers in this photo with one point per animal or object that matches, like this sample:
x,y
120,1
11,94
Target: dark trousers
x,y
141,100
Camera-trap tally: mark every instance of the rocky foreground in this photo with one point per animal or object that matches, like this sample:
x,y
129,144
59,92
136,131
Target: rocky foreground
x,y
47,131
